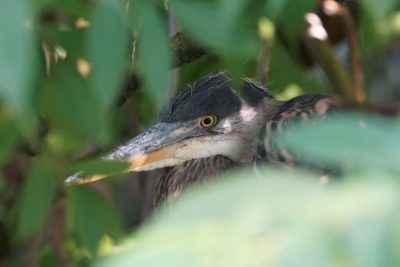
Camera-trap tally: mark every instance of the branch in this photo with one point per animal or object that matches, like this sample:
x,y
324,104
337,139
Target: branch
x,y
316,42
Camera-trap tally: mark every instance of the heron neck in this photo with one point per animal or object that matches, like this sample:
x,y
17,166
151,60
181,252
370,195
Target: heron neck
x,y
173,180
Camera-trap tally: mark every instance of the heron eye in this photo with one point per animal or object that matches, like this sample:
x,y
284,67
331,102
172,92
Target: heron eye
x,y
207,121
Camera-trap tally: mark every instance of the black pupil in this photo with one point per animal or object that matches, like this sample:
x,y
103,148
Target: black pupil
x,y
207,121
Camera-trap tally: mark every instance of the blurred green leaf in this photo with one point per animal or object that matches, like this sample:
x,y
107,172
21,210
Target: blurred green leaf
x,y
135,15
370,40
48,257
8,137
379,9
232,9
36,197
92,217
71,40
70,7
217,25
70,104
285,72
270,218
356,141
107,50
145,108
155,54
38,4
292,20
101,167
274,8
17,57
377,25
62,142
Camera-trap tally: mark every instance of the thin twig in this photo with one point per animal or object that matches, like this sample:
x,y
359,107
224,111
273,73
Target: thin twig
x,y
266,32
264,61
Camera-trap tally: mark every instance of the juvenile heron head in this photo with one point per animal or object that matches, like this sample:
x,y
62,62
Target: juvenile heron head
x,y
208,118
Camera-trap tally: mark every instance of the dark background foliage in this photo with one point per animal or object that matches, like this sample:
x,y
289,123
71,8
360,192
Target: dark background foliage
x,y
79,77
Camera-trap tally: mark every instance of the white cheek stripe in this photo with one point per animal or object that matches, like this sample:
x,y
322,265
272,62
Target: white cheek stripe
x,y
159,164
197,148
206,146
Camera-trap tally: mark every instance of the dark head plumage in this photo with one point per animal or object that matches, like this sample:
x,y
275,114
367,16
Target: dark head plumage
x,y
212,94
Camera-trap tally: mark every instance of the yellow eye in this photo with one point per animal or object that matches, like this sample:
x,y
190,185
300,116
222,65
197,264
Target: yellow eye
x,y
207,121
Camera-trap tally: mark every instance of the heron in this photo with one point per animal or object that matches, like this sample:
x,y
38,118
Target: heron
x,y
209,128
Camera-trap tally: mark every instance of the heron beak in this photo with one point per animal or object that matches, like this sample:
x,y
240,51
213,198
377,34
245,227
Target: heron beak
x,y
154,148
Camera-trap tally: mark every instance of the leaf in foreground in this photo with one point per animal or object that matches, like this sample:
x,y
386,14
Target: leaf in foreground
x,y
37,195
352,142
284,219
92,217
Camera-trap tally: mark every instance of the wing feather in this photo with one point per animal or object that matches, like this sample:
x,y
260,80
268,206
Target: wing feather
x,y
299,110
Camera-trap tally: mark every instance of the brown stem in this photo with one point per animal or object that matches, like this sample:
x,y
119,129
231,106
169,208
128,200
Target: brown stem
x,y
56,223
332,8
316,42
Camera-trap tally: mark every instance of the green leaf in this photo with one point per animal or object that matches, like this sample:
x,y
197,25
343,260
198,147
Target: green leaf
x,y
70,104
36,197
135,15
8,137
17,58
155,55
270,218
218,26
92,217
71,7
356,141
286,73
71,40
292,19
274,8
379,9
376,26
105,167
107,50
